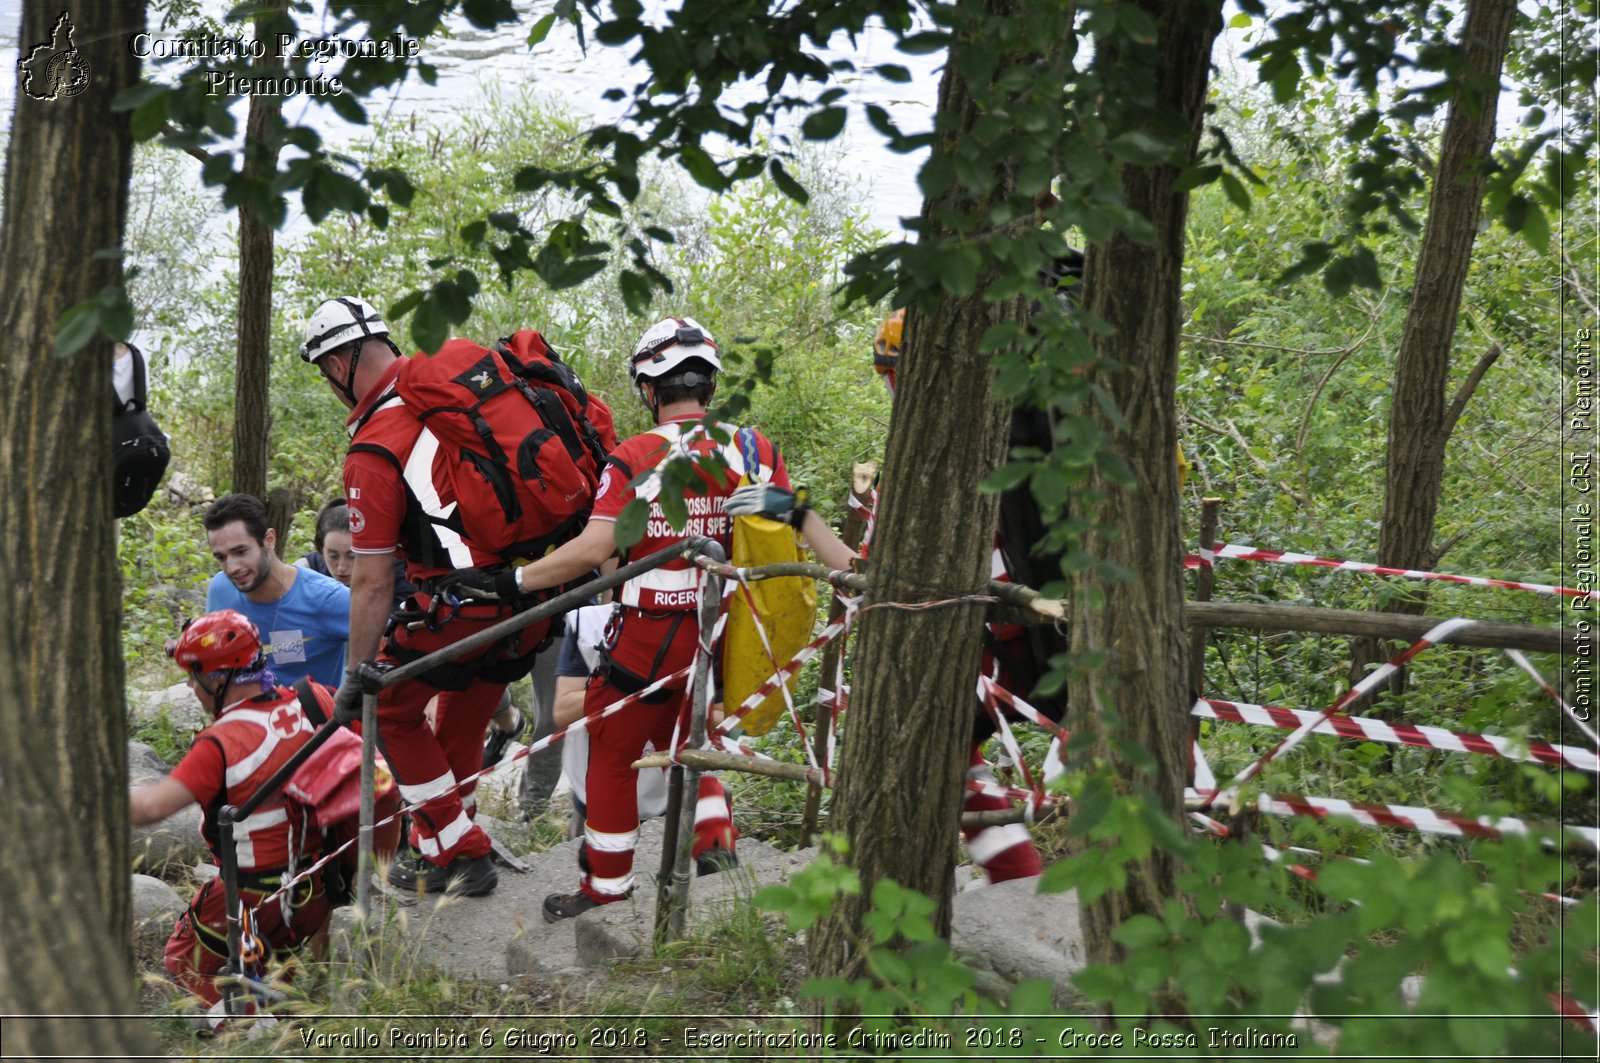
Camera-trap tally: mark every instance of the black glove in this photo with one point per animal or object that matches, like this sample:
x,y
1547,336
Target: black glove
x,y
474,584
767,500
365,678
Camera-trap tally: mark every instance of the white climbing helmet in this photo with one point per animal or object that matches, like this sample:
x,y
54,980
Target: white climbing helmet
x,y
339,321
669,343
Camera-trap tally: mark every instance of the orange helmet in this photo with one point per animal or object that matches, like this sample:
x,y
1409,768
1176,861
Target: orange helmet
x,y
217,642
886,345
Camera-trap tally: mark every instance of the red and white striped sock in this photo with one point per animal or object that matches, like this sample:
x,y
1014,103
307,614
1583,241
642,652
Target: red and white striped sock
x,y
1004,852
713,818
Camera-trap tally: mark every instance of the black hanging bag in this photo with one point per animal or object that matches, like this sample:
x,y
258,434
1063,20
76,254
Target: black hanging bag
x,y
140,452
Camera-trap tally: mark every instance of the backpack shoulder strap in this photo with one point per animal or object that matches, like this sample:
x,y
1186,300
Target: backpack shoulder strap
x,y
309,703
140,389
141,377
751,453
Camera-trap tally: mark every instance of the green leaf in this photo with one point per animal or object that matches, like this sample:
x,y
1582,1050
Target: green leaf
x,y
1089,808
150,119
1139,931
893,72
1140,148
824,124
77,327
635,291
1099,981
1241,21
631,522
958,271
775,898
1339,277
1196,176
429,329
541,30
1007,476
924,43
702,168
787,184
1364,268
1536,228
1236,191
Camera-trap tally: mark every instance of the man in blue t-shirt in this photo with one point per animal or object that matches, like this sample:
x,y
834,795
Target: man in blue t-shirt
x,y
303,616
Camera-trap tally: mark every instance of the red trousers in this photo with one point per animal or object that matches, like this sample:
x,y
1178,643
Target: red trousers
x,y
199,944
1004,852
429,764
646,646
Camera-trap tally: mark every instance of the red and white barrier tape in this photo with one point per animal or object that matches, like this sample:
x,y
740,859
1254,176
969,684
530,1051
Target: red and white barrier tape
x,y
1286,557
1580,1015
1012,793
1410,817
1368,683
1522,662
1397,733
808,651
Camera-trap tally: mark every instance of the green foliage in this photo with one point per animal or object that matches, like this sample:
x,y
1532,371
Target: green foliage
x,y
165,562
167,739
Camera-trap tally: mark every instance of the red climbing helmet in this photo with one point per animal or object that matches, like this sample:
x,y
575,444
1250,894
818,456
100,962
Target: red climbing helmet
x,y
217,642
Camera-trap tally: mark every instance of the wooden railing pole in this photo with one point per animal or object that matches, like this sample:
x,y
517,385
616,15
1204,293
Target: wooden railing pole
x,y
1202,593
855,527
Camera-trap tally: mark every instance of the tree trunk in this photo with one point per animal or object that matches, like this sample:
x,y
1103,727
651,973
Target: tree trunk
x,y
1419,420
907,734
63,763
252,410
1140,695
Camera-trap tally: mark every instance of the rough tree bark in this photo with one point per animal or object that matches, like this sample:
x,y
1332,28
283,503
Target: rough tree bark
x,y
1141,693
1420,418
63,763
252,410
906,737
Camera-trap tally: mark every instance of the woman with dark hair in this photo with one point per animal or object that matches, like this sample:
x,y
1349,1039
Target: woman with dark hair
x,y
332,555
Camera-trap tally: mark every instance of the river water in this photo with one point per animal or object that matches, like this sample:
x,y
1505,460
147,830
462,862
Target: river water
x,y
470,59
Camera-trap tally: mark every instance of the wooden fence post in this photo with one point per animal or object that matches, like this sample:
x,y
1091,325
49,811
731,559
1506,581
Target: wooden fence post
x,y
855,527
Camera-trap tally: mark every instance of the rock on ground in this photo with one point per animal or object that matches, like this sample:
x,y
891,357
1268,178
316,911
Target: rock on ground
x,y
144,707
173,842
156,906
1009,932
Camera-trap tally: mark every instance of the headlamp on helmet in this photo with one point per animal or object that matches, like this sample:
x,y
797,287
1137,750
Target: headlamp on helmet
x,y
668,344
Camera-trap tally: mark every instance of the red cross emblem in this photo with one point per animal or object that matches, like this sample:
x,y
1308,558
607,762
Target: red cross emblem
x,y
285,721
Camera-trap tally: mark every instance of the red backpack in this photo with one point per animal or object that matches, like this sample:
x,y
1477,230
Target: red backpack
x,y
524,442
327,790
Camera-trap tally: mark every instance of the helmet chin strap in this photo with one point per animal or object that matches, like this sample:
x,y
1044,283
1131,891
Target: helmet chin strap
x,y
346,387
219,696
